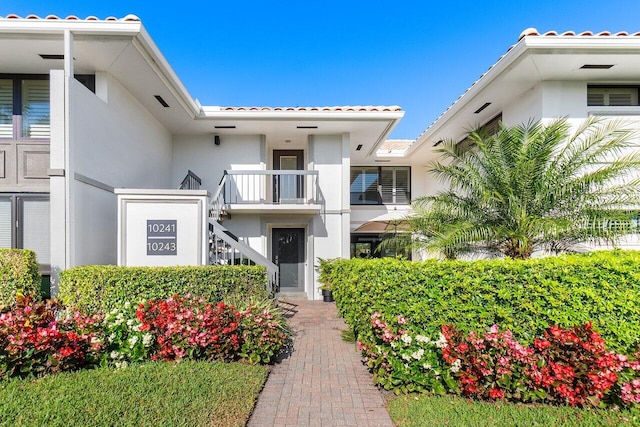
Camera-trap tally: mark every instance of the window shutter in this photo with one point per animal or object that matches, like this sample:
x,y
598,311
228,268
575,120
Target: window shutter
x,y
402,186
395,185
36,228
35,109
6,108
386,183
594,99
618,99
5,223
615,96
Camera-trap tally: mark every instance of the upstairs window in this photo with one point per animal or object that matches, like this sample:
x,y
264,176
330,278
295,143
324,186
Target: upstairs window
x,y
372,185
24,107
6,108
614,96
490,128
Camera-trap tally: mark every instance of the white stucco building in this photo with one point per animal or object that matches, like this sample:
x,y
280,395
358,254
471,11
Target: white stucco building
x,y
88,106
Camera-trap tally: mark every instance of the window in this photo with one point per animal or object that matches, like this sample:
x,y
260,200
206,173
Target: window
x,y
380,185
25,223
368,246
24,107
612,96
490,128
364,186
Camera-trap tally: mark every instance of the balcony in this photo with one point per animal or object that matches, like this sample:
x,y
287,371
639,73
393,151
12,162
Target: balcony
x,y
269,191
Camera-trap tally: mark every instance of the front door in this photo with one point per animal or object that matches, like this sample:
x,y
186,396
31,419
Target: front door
x,y
287,251
288,188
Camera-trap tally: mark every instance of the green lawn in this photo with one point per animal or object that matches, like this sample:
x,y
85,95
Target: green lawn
x,y
413,411
151,394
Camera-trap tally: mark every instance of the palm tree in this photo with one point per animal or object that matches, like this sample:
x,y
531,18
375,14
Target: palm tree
x,y
531,187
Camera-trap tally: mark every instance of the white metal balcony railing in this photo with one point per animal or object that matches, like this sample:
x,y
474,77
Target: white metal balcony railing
x,y
270,187
265,188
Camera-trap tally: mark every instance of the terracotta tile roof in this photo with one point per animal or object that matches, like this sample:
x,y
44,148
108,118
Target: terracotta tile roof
x,y
391,145
533,32
347,108
129,17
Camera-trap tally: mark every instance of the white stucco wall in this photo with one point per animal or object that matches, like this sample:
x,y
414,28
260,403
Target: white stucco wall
x,y
526,107
117,143
329,155
199,154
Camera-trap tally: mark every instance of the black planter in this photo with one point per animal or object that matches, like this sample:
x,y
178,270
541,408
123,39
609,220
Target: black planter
x,y
327,295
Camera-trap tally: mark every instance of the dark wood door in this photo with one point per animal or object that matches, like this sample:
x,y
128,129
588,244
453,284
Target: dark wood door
x,y
287,249
288,188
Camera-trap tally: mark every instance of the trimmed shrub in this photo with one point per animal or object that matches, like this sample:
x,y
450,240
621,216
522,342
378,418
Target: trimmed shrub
x,y
525,297
18,275
105,287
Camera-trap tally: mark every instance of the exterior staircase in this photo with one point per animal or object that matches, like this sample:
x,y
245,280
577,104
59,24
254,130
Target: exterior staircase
x,y
226,249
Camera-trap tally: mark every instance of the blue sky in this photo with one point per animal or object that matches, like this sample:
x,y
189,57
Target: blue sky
x,y
420,55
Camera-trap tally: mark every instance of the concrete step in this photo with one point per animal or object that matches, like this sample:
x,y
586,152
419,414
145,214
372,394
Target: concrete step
x,y
287,296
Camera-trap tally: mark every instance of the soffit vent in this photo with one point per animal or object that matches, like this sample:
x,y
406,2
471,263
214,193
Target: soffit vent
x,y
161,101
596,66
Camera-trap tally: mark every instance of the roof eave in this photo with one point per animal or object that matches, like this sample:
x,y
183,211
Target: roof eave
x,y
214,113
503,63
131,28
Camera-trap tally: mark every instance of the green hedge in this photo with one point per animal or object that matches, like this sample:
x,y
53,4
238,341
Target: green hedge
x,y
18,274
523,296
104,287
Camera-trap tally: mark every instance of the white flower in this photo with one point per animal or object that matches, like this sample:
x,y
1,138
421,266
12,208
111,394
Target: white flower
x,y
121,365
112,337
406,357
422,338
406,339
132,341
418,354
442,341
136,328
455,367
426,366
130,322
147,339
393,344
127,304
114,355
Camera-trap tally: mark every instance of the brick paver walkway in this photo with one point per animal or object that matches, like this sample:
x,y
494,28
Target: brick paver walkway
x,y
323,381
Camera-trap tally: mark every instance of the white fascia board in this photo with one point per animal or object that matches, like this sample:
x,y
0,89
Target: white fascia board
x,y
58,26
583,43
216,113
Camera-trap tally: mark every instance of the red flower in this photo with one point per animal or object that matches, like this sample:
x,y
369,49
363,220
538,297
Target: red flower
x,y
66,351
496,393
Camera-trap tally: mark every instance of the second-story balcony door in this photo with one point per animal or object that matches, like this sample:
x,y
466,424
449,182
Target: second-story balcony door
x,y
288,188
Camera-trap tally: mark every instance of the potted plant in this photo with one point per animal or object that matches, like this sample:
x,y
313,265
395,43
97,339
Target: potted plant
x,y
327,293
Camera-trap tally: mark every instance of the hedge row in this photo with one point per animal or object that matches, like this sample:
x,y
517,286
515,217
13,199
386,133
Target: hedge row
x,y
525,297
105,287
18,275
